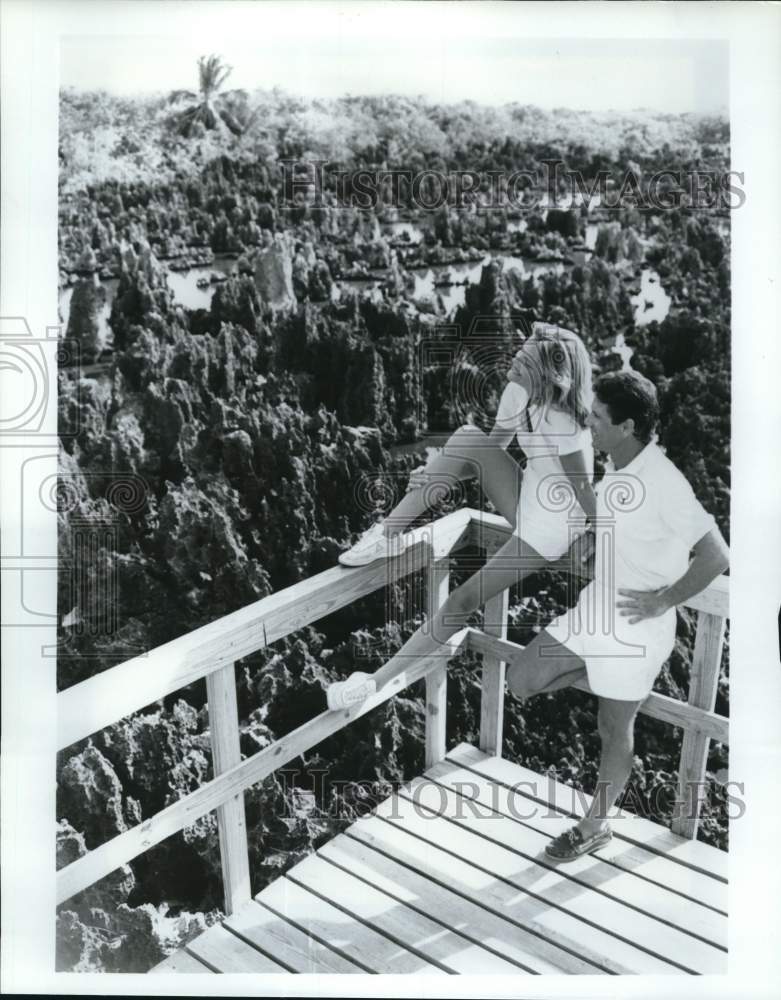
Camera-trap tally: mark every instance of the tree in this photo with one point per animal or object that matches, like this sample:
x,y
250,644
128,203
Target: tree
x,y
211,107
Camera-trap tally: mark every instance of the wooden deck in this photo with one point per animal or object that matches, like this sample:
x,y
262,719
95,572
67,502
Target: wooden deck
x,y
450,876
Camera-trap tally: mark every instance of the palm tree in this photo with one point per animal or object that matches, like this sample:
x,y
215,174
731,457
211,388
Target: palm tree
x,y
212,108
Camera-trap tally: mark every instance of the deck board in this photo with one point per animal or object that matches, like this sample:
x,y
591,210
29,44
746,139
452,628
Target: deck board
x,y
287,943
181,961
408,927
459,912
449,876
370,949
556,931
225,952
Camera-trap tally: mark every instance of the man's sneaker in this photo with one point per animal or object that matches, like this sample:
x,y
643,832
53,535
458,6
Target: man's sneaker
x,y
358,687
374,544
572,844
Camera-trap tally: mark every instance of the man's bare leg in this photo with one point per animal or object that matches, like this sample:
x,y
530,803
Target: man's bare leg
x,y
546,665
616,721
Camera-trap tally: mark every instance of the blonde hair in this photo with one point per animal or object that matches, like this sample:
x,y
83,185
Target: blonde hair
x,y
560,371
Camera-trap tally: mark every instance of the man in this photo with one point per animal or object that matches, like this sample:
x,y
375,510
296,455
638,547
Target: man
x,y
622,629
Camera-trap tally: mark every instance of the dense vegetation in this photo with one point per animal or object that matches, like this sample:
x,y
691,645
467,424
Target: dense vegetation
x,y
244,437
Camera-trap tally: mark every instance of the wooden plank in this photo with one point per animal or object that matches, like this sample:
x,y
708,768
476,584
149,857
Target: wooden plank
x,y
287,943
104,859
181,961
436,714
530,836
352,853
480,836
493,673
408,927
657,706
113,694
645,865
488,881
626,825
366,947
703,688
436,682
714,600
225,952
231,818
488,531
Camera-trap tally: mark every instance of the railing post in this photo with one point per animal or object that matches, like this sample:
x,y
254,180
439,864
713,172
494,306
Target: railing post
x,y
492,697
436,682
703,688
231,821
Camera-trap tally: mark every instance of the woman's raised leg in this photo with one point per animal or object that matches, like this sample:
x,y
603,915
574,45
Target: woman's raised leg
x,y
469,452
514,560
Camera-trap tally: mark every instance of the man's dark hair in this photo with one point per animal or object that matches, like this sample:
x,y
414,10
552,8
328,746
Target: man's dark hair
x,y
630,395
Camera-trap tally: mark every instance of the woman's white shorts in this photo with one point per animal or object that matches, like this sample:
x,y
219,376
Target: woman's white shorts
x,y
622,660
551,533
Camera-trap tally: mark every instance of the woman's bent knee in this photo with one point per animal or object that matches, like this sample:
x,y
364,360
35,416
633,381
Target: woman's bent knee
x,y
467,434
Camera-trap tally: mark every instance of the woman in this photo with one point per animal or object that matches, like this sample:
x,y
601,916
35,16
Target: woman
x,y
545,404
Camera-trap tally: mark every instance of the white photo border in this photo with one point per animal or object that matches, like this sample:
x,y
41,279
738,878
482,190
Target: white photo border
x,y
32,30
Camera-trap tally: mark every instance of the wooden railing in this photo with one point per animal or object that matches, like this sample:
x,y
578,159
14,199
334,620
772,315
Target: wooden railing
x,y
211,652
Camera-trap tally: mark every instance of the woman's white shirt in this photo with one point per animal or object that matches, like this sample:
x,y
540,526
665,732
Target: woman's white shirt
x,y
543,435
546,518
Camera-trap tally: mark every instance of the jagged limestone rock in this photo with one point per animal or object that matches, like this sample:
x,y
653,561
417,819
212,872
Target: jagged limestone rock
x,y
84,326
91,797
274,272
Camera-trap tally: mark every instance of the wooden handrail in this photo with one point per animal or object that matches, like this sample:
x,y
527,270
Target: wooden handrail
x,y
89,706
212,650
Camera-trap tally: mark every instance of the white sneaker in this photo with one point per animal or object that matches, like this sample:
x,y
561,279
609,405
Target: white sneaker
x,y
358,687
374,544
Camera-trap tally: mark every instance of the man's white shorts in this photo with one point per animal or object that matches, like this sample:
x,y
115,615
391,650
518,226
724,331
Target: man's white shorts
x,y
622,660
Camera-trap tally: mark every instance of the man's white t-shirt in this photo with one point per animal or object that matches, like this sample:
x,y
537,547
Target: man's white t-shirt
x,y
654,518
648,520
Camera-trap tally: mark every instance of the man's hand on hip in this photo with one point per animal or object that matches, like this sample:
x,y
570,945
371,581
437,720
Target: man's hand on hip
x,y
642,604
